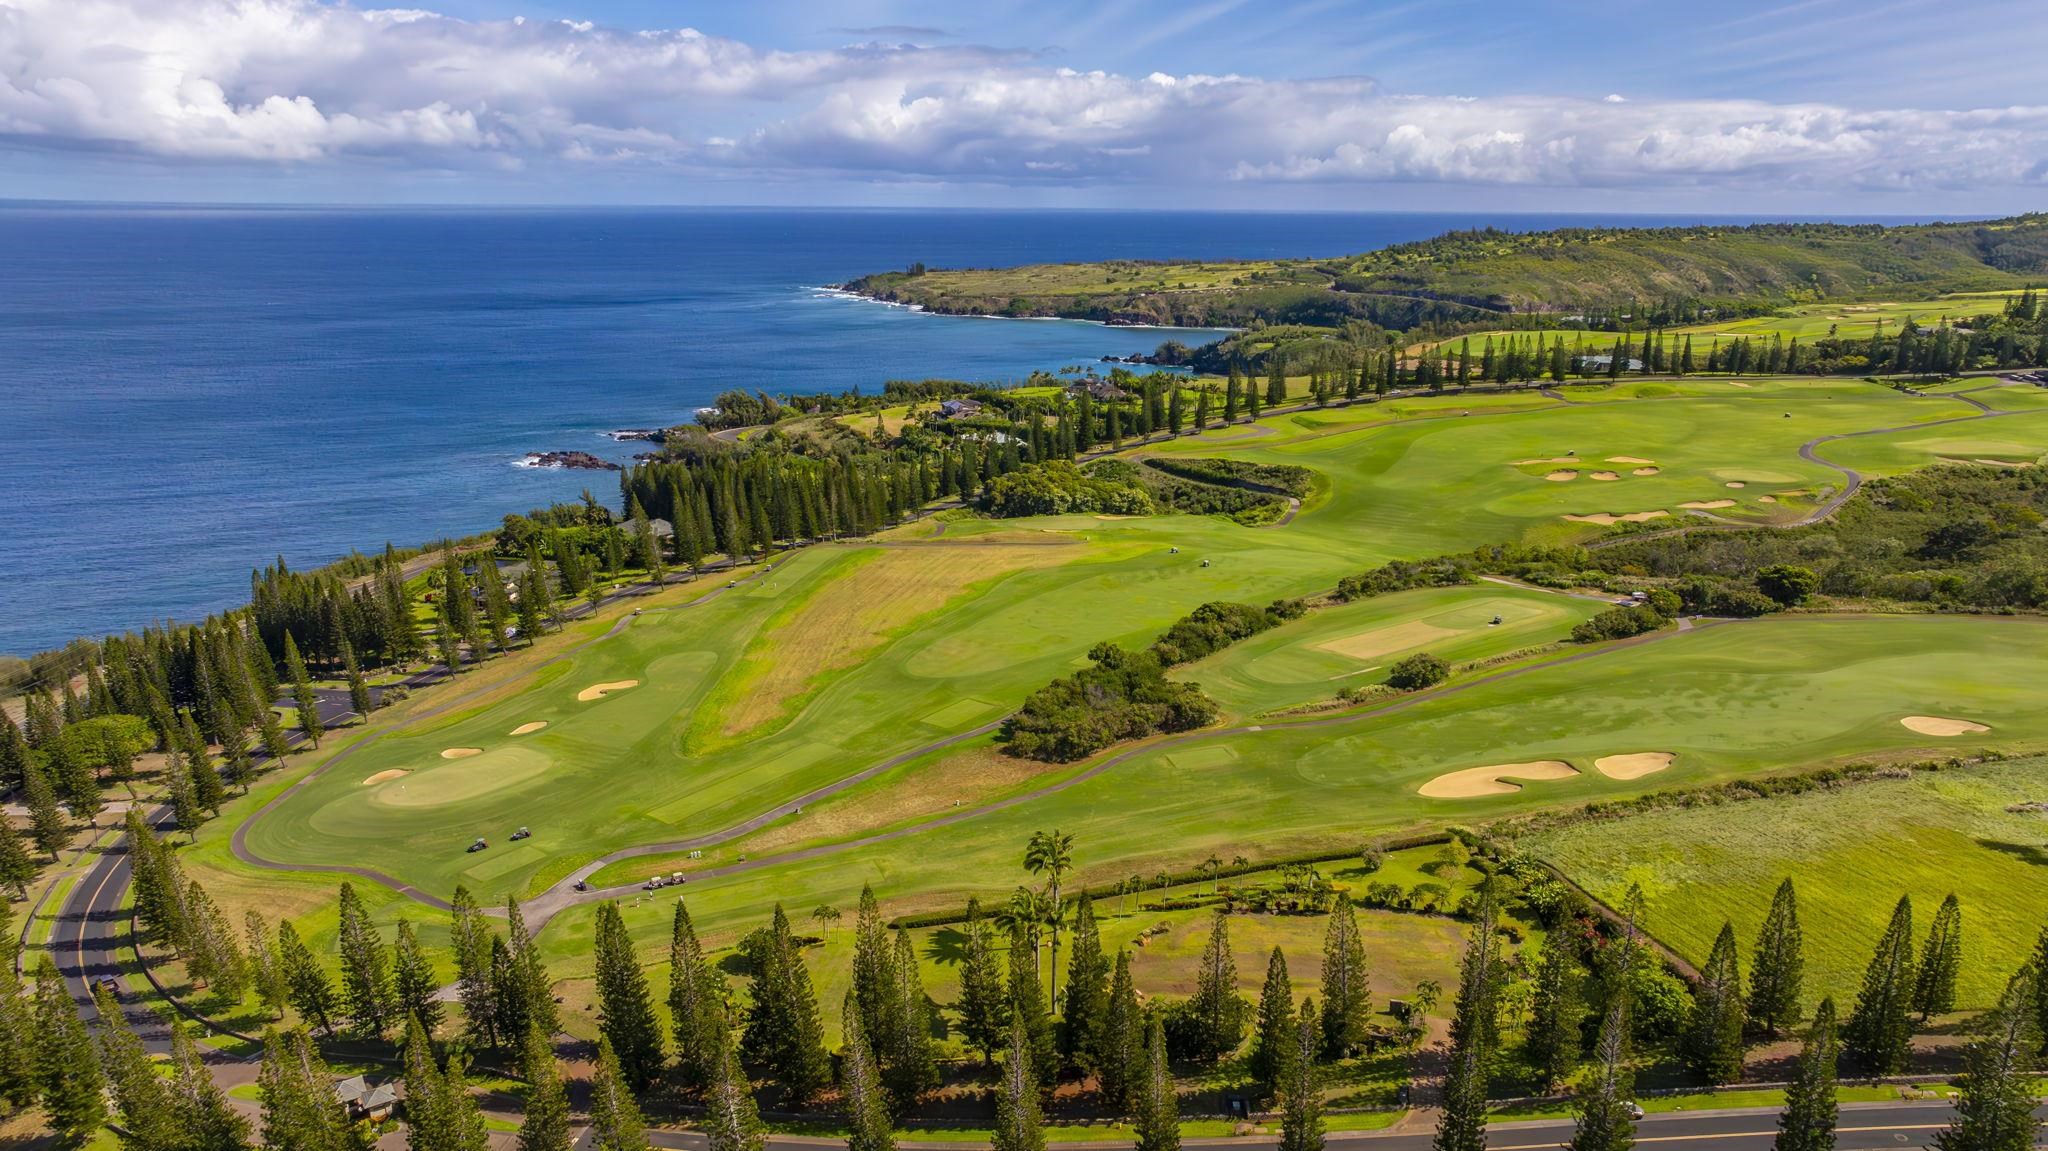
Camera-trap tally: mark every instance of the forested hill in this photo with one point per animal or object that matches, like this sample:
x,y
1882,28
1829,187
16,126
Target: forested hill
x,y
1660,274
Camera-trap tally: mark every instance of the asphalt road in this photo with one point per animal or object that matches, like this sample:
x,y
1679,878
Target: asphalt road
x,y
1863,1127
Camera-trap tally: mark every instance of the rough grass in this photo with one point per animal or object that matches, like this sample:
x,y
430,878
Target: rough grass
x,y
1851,853
840,621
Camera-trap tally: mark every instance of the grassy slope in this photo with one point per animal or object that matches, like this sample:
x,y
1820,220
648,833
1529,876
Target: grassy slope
x,y
1851,853
1410,478
1498,271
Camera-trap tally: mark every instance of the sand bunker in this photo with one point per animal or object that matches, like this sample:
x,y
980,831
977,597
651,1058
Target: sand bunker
x,y
1605,476
1635,765
1740,384
1629,460
1645,471
1767,499
1560,477
1609,519
1735,484
529,728
1708,504
384,777
600,690
2006,463
461,752
1935,725
1477,781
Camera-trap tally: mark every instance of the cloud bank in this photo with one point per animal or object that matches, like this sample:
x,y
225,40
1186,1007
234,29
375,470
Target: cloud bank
x,y
280,83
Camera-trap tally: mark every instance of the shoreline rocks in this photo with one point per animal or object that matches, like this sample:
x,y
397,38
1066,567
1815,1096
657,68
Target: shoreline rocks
x,y
582,461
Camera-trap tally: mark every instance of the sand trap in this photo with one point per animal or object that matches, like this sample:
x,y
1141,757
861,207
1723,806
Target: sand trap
x,y
600,690
1739,384
1370,645
529,728
1735,484
1935,725
1767,499
461,752
2006,463
1634,766
1560,477
1552,460
1708,504
1605,476
1609,519
384,777
1629,460
1477,781
1645,471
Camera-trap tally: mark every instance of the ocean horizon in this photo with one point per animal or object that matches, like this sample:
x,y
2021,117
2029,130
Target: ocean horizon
x,y
193,391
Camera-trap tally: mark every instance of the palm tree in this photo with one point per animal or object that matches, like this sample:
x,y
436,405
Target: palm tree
x,y
824,914
1214,867
1136,883
1051,854
1240,864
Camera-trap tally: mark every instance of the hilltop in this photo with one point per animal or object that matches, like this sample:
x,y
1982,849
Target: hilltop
x,y
1478,276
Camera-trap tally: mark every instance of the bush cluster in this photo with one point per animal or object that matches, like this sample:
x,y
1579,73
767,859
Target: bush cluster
x,y
1217,625
1057,487
1125,695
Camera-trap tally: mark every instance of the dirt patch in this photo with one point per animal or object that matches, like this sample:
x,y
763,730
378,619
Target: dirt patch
x,y
1634,765
384,776
1708,504
1370,645
1735,484
848,618
1603,476
1609,519
1629,460
1493,780
1936,725
461,752
1561,477
1646,471
529,728
600,690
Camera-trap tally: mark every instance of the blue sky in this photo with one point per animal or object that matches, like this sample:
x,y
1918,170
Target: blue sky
x,y
1905,106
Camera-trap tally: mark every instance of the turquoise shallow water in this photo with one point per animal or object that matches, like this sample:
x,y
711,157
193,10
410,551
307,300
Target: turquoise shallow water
x,y
186,394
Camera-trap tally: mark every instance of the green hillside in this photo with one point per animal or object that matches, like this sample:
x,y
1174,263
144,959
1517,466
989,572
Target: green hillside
x,y
1681,273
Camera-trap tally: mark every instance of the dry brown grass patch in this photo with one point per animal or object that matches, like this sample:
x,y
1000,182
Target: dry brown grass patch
x,y
848,617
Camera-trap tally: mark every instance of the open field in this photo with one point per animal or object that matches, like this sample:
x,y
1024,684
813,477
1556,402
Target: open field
x,y
1851,852
1726,701
849,655
1322,653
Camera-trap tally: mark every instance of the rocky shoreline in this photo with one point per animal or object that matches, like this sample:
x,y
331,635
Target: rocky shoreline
x,y
582,461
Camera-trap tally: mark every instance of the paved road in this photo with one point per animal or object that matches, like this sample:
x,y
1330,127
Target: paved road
x,y
1864,1127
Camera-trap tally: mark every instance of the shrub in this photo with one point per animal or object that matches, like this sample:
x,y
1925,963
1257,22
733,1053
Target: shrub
x,y
1619,623
1217,625
1418,671
1126,695
1788,584
1056,487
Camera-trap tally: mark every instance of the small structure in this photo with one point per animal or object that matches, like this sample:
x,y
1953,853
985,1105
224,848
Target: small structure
x,y
365,1100
662,528
960,409
1100,389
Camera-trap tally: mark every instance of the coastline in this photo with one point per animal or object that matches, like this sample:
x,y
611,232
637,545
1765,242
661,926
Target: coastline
x,y
842,292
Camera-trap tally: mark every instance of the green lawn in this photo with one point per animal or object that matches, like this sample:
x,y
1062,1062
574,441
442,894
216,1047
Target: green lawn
x,y
1851,853
847,655
1324,652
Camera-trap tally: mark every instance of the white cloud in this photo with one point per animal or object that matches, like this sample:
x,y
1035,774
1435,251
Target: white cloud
x,y
297,82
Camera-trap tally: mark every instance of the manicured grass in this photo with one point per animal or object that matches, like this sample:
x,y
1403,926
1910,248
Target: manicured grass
x,y
1694,1101
824,686
1851,853
1850,321
1322,653
1728,701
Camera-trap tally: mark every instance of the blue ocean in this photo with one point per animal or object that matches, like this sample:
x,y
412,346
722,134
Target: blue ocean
x,y
186,394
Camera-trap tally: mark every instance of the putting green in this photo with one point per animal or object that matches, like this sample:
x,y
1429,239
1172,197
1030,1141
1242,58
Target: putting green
x,y
463,780
1317,656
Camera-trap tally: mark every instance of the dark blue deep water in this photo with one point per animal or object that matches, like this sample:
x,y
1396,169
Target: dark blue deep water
x,y
185,394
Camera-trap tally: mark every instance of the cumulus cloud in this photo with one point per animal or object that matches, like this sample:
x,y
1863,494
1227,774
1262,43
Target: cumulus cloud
x,y
297,82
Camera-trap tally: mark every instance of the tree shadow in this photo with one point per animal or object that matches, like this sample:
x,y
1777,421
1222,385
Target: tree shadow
x,y
2033,853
